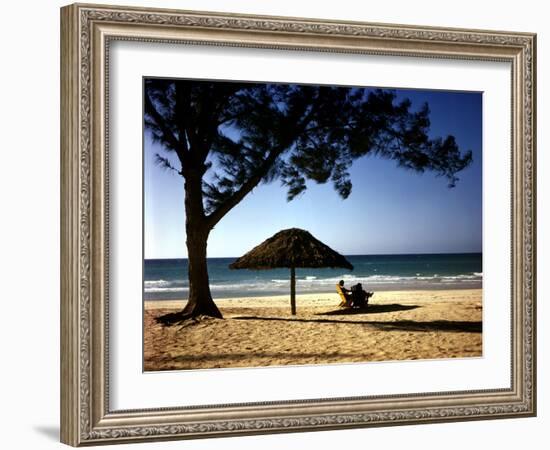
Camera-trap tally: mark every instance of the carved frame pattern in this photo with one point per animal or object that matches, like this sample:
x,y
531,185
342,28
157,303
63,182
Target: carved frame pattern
x,y
86,418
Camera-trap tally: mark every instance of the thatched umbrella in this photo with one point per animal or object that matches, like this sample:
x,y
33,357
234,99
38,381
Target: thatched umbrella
x,y
292,248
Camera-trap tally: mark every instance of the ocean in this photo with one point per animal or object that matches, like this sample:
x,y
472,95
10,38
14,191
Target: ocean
x,y
167,278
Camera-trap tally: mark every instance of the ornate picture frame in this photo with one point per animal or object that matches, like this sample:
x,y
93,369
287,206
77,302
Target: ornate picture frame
x,y
87,31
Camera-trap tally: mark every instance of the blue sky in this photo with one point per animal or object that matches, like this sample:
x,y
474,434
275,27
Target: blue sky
x,y
390,210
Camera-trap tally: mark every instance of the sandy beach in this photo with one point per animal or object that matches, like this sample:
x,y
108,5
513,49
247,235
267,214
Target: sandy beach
x,y
260,331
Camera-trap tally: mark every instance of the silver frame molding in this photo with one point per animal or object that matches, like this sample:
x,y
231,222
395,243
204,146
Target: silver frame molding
x,y
86,31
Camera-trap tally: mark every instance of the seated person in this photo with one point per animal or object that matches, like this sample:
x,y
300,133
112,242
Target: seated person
x,y
345,294
359,297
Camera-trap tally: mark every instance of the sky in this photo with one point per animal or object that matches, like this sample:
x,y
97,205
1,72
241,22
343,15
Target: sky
x,y
390,210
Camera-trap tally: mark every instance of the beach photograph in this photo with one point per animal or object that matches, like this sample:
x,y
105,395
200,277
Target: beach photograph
x,y
295,224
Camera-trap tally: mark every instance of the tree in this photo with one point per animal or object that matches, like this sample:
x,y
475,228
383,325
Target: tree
x,y
229,137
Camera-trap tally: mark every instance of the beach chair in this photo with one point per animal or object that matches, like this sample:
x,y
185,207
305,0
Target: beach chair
x,y
346,300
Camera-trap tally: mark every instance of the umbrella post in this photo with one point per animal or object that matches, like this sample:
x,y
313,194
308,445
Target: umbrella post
x,y
293,291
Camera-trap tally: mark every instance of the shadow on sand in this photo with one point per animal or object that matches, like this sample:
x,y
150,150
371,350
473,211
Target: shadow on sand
x,y
396,325
435,325
371,309
245,356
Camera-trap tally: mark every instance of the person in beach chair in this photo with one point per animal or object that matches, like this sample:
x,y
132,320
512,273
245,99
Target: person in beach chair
x,y
345,295
359,297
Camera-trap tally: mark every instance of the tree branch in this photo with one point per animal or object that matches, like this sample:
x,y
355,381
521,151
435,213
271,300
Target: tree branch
x,y
182,115
215,216
160,122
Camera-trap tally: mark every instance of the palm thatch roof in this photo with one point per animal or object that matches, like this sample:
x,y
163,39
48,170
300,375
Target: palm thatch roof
x,y
292,248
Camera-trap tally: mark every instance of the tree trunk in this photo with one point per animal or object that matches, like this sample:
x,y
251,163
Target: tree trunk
x,y
200,300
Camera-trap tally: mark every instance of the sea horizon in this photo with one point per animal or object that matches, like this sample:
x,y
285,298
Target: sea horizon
x,y
166,278
346,255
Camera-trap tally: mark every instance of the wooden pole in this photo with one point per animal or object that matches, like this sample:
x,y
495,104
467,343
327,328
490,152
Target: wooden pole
x,y
293,291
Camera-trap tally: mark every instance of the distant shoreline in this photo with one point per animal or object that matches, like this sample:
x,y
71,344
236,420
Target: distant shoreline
x,y
326,299
385,289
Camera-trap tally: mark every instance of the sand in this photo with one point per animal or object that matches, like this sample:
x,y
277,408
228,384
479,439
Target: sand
x,y
255,332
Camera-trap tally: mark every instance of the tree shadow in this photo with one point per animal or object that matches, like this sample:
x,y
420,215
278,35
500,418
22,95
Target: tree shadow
x,y
299,320
371,309
396,325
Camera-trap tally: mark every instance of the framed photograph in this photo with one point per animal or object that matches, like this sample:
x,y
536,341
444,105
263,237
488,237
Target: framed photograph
x,y
277,225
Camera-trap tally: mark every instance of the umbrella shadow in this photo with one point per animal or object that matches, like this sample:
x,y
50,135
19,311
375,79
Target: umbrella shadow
x,y
371,309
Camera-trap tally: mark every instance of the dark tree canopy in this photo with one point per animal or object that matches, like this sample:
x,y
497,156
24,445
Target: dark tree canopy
x,y
250,133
